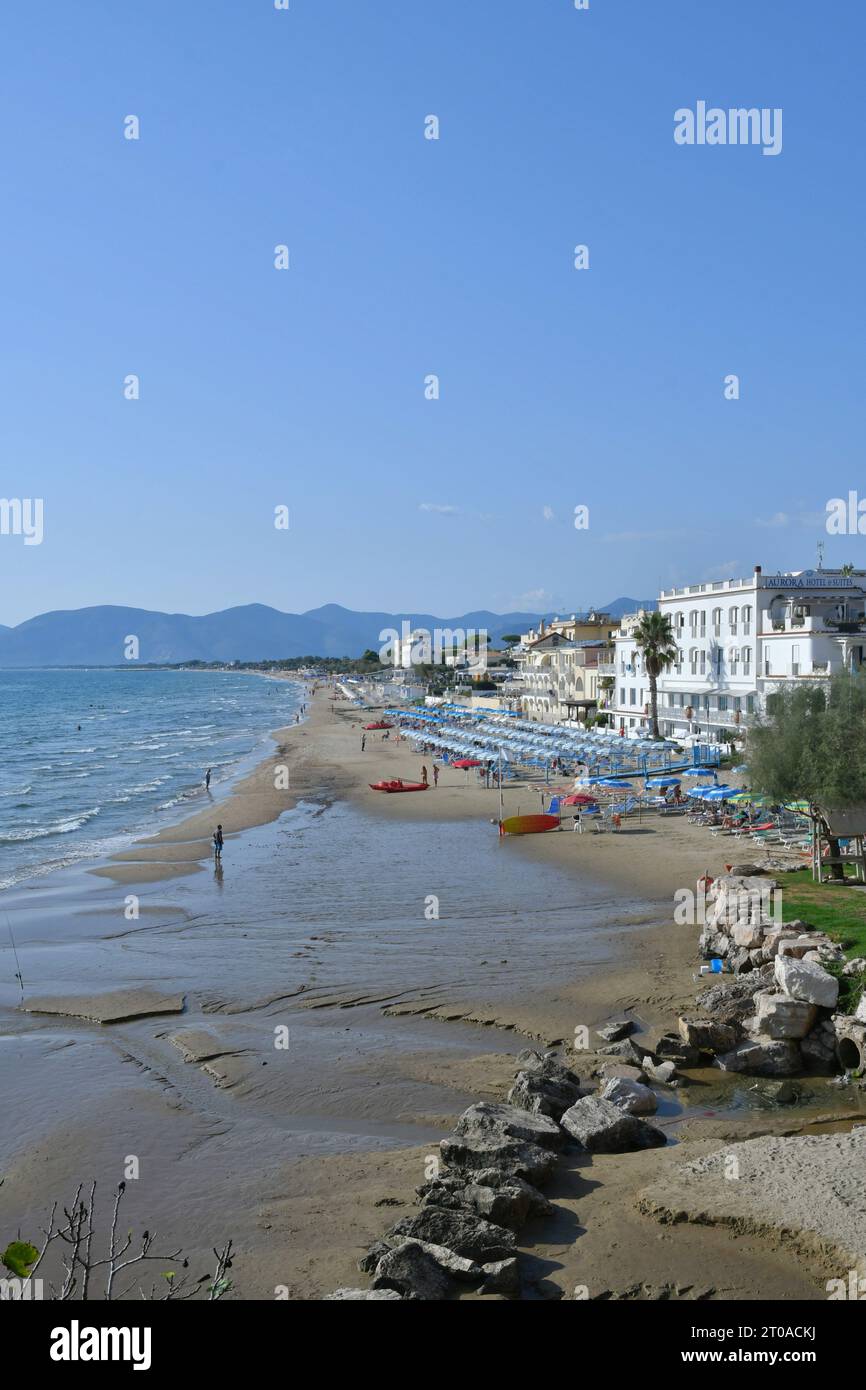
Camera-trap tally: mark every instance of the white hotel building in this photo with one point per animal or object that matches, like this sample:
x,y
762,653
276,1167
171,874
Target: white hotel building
x,y
738,640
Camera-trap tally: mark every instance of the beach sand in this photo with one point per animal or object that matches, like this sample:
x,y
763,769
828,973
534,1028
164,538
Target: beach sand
x,y
188,1095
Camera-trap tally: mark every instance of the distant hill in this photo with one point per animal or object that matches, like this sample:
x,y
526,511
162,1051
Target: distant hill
x,y
628,605
96,636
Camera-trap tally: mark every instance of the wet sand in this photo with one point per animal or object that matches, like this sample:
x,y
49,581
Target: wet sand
x,y
316,933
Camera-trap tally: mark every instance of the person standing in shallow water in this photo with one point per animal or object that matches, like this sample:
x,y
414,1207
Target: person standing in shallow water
x,y
207,780
218,842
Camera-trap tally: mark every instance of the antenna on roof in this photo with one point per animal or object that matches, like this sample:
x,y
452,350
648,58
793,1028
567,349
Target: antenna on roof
x,y
820,555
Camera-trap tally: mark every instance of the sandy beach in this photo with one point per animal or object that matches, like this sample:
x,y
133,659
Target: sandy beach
x,y
394,1028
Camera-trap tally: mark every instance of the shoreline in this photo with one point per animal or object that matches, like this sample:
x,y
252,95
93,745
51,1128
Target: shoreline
x,y
324,1208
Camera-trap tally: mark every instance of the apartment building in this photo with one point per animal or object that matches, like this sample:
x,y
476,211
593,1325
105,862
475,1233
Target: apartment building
x,y
558,678
738,640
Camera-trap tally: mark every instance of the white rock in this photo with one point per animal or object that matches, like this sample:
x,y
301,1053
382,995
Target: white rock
x,y
804,980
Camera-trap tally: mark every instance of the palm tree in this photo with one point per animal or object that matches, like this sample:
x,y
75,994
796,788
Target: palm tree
x,y
655,638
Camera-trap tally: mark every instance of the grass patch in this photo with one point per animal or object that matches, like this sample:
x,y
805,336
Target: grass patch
x,y
841,913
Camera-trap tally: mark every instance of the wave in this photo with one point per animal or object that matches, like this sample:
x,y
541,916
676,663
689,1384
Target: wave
x,y
42,832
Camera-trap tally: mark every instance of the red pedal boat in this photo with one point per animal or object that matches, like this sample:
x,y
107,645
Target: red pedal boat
x,y
380,724
397,785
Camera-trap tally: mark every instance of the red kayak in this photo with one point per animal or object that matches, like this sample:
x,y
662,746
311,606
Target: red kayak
x,y
382,724
398,786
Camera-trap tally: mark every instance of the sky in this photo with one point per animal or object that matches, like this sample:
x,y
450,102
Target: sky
x,y
410,257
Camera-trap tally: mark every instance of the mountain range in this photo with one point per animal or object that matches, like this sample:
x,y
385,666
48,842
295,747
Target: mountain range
x,y
96,636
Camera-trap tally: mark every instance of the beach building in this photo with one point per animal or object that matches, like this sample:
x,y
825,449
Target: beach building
x,y
557,679
738,640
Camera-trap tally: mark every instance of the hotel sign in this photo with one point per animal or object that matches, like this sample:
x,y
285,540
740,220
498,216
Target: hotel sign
x,y
806,581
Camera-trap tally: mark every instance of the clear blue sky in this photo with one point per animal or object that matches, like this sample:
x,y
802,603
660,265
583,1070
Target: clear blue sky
x,y
410,257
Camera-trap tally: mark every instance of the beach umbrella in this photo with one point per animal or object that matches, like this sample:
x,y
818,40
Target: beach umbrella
x,y
702,772
579,799
467,762
662,782
613,782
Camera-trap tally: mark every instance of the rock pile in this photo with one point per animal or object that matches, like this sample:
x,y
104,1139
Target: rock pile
x,y
496,1160
777,1017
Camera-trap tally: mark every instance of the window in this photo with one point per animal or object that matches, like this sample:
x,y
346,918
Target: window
x,y
746,616
703,622
750,704
717,622
622,695
732,618
632,696
723,702
693,660
747,660
693,621
703,663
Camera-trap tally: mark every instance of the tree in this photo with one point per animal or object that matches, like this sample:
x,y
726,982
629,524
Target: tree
x,y
510,638
85,1274
811,744
654,638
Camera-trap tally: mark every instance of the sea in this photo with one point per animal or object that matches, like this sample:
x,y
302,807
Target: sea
x,y
91,758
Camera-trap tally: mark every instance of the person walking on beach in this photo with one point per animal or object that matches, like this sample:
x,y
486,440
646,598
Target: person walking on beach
x,y
424,774
207,780
363,742
577,823
435,776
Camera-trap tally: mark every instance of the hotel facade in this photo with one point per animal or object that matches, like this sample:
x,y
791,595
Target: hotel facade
x,y
738,640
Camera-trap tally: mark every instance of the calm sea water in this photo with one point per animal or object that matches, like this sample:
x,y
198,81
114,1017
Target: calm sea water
x,y
139,756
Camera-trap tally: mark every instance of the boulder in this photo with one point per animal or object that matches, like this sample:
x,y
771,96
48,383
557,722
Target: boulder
x,y
762,1056
615,1032
488,1156
663,1072
707,1034
860,1011
857,966
370,1260
460,1232
509,1204
779,1016
508,1122
502,1277
601,1127
798,946
540,1095
747,934
548,1064
804,980
730,1001
672,1048
609,1070
627,1050
630,1096
413,1272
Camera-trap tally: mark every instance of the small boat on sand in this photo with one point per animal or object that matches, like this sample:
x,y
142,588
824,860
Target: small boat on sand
x,y
380,724
528,825
398,785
